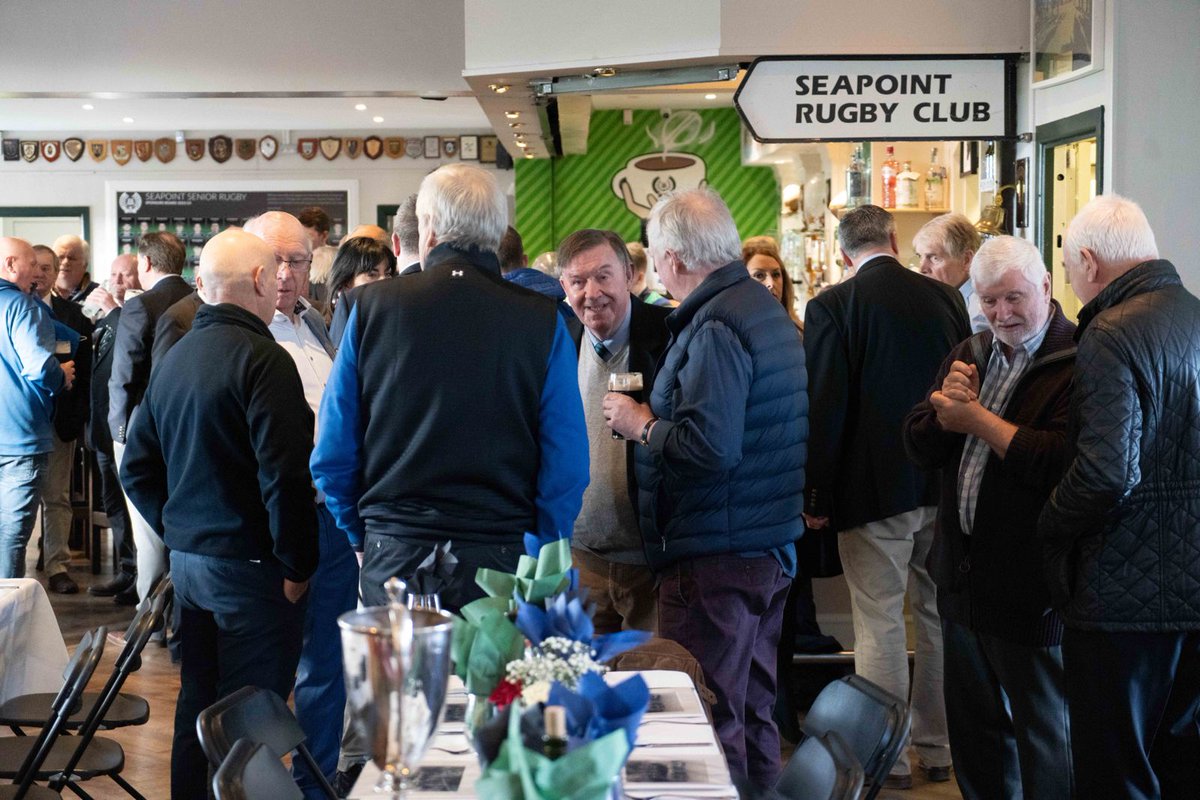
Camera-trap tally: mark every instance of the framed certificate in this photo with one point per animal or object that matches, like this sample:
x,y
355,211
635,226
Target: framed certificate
x,y
468,148
433,147
487,149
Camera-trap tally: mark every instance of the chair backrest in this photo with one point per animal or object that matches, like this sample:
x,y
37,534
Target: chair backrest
x,y
251,713
822,768
79,671
873,722
252,772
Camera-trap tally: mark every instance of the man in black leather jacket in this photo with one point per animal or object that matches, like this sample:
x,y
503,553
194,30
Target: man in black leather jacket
x,y
1121,532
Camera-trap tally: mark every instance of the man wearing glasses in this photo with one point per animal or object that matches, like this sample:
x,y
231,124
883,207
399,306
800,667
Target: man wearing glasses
x,y
161,259
300,330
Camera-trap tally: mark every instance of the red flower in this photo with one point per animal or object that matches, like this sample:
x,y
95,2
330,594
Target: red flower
x,y
505,692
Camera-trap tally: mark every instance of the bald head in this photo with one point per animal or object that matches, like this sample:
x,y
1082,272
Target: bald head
x,y
123,276
237,268
18,263
293,255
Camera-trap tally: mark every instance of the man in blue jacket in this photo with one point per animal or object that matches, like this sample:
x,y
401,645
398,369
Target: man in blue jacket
x,y
29,380
453,410
721,469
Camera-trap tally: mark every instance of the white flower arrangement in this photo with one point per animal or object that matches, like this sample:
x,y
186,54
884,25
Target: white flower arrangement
x,y
555,659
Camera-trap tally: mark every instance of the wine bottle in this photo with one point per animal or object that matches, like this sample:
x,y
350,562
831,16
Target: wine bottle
x,y
554,742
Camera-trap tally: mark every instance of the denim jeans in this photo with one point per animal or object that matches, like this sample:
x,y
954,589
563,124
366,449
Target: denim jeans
x,y
21,479
320,688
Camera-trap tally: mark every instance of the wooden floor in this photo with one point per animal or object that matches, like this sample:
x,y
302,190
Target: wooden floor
x,y
148,747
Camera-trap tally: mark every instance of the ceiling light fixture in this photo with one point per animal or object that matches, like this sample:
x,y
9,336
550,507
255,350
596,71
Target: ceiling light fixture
x,y
377,119
633,79
512,114
127,119
88,107
516,124
522,145
710,96
360,107
499,88
604,72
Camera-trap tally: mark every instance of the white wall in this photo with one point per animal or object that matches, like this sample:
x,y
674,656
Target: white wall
x,y
63,183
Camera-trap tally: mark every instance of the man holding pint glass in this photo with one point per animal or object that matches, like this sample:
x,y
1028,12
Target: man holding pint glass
x,y
619,344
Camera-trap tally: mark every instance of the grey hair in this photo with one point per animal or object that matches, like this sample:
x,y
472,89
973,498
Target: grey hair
x,y
404,227
72,239
954,232
1002,254
865,227
1114,228
464,206
697,227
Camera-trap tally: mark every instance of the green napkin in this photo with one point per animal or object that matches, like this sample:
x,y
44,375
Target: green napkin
x,y
536,578
483,643
585,773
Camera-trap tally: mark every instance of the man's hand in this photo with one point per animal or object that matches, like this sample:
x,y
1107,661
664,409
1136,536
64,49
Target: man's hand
x,y
68,368
103,299
956,415
815,523
294,591
625,415
962,382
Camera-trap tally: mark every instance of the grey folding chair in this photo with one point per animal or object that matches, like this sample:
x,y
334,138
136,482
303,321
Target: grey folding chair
x,y
252,772
822,768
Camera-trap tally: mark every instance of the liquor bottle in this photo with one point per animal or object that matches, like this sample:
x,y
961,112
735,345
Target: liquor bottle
x,y
887,175
935,184
856,181
906,187
554,742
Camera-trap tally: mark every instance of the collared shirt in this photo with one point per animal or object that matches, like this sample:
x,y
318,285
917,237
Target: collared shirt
x,y
979,322
618,341
1003,374
312,362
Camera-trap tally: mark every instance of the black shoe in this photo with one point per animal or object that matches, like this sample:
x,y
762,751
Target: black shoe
x,y
129,597
121,583
62,584
936,774
343,782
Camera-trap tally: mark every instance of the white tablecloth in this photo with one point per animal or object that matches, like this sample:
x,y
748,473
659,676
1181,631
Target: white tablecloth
x,y
677,753
32,653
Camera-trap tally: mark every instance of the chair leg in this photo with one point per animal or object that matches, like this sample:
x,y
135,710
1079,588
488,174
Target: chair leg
x,y
77,789
316,771
127,786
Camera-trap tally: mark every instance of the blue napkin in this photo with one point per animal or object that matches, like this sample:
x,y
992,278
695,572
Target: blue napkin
x,y
596,709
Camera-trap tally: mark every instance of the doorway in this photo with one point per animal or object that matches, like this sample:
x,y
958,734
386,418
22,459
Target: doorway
x,y
44,224
1071,154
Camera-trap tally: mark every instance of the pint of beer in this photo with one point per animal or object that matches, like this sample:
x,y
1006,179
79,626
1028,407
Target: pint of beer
x,y
629,383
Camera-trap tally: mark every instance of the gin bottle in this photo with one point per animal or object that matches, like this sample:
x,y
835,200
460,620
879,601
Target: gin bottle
x,y
935,184
887,174
856,181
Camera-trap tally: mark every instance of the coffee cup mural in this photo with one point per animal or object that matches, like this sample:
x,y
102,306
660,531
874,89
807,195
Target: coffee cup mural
x,y
648,176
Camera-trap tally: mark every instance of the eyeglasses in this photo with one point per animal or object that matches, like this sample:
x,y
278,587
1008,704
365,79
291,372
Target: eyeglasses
x,y
297,265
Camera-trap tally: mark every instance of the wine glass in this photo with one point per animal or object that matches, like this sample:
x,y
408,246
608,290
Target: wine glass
x,y
397,664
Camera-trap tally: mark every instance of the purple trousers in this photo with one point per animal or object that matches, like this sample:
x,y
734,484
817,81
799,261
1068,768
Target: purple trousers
x,y
727,611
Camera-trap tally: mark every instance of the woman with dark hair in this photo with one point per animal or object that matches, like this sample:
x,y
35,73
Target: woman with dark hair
x,y
761,255
359,261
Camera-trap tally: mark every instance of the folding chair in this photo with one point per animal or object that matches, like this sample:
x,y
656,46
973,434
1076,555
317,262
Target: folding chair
x,y
822,768
261,716
252,772
874,723
33,751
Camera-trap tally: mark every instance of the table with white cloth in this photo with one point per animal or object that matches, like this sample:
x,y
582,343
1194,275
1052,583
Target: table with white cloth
x,y
32,652
677,753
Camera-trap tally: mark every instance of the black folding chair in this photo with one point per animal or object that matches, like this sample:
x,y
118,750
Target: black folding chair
x,y
260,716
822,768
32,752
874,723
252,772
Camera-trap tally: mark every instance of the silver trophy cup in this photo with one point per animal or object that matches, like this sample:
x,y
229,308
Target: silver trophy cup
x,y
397,664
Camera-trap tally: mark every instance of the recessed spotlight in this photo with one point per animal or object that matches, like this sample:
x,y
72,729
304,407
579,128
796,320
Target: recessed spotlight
x,y
499,88
516,124
522,145
529,155
512,114
88,107
377,119
604,72
127,119
360,107
710,96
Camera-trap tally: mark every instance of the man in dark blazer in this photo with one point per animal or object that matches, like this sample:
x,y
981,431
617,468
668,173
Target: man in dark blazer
x,y
619,334
161,259
174,324
121,588
873,346
70,415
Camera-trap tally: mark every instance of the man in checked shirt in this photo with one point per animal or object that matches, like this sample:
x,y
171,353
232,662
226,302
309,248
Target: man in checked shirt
x,y
995,423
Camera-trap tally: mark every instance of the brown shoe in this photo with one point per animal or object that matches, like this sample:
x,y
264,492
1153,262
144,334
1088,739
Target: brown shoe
x,y
62,584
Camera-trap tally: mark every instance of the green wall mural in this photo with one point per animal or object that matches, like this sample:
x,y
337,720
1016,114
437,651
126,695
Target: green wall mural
x,y
627,166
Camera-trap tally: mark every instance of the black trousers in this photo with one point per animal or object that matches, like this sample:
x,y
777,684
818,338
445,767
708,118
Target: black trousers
x,y
1135,713
387,557
113,500
237,629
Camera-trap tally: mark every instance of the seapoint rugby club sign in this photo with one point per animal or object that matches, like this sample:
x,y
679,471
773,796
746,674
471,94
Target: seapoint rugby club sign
x,y
799,99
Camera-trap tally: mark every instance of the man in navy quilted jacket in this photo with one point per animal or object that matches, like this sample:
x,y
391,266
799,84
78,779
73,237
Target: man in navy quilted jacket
x,y
1121,532
720,472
